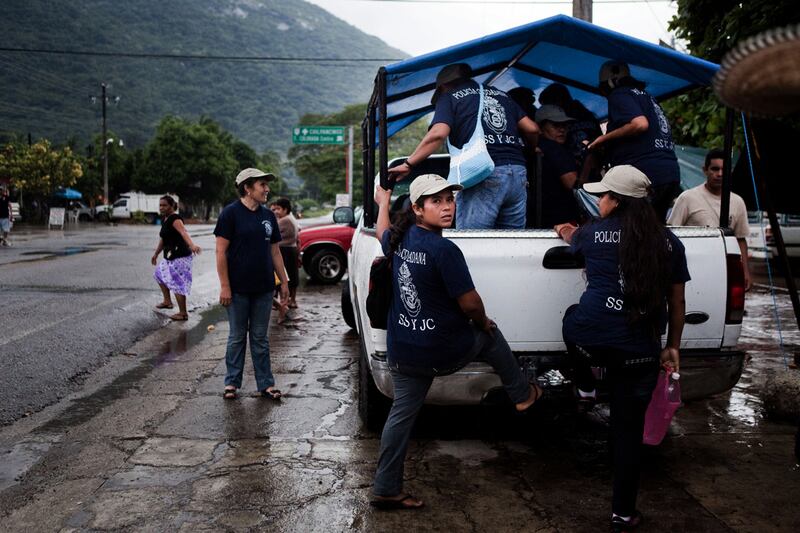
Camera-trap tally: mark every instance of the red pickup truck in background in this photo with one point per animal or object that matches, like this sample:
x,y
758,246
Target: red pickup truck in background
x,y
323,249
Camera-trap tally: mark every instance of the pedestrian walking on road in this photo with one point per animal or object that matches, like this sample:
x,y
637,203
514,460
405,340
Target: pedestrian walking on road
x,y
248,258
173,272
635,272
436,325
6,216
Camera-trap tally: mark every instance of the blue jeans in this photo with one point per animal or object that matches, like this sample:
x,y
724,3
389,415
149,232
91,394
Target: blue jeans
x,y
410,390
249,314
499,201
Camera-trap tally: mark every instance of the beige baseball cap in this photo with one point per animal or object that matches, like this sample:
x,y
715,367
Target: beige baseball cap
x,y
428,184
626,180
248,173
613,71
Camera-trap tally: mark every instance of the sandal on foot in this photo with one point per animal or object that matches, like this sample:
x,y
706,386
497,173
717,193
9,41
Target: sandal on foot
x,y
274,394
178,317
619,525
163,305
538,392
394,504
230,394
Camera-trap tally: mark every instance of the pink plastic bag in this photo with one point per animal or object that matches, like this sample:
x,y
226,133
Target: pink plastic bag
x,y
665,401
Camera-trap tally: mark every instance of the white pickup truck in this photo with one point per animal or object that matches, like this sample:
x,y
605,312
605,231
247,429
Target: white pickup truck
x,y
129,203
527,279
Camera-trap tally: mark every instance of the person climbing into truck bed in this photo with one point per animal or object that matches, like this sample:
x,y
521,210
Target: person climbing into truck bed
x,y
436,325
499,201
635,272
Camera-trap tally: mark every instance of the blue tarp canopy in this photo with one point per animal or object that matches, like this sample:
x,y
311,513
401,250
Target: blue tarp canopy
x,y
68,194
559,48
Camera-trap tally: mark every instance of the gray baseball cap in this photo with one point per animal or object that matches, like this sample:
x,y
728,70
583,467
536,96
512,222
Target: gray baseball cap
x,y
248,173
626,180
428,184
553,113
449,74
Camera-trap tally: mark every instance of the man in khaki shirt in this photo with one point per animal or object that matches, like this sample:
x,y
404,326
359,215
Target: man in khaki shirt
x,y
700,206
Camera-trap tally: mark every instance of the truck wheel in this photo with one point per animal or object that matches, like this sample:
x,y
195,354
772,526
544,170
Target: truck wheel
x,y
347,307
327,266
373,406
102,216
150,218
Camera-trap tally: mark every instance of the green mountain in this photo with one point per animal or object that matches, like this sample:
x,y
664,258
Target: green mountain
x,y
58,95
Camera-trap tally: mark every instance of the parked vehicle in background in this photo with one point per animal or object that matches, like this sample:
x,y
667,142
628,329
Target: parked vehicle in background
x,y
756,244
129,203
16,214
83,211
323,249
790,229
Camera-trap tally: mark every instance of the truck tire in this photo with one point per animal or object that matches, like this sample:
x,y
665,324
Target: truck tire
x,y
327,265
102,216
373,406
150,218
347,307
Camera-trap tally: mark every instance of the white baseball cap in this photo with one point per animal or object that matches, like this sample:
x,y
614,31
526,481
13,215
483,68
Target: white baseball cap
x,y
626,180
248,173
428,184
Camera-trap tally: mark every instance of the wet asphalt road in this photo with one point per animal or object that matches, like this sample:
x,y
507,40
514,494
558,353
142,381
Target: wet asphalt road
x,y
70,300
146,443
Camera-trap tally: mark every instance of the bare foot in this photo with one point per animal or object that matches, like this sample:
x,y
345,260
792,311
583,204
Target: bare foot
x,y
401,501
178,317
535,394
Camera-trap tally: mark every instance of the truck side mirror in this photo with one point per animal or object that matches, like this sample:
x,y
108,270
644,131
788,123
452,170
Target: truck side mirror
x,y
344,215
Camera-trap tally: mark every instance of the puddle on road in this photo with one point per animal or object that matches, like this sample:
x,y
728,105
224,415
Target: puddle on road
x,y
86,408
69,250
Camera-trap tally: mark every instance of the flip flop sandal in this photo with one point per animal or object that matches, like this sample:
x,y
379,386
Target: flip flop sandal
x,y
274,394
230,394
396,505
178,317
618,525
164,306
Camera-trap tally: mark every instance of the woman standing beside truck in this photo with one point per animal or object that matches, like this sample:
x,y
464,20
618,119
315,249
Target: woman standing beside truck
x,y
174,271
634,266
436,324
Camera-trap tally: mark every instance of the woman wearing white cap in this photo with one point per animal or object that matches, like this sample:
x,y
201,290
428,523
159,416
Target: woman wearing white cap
x,y
248,257
635,274
436,325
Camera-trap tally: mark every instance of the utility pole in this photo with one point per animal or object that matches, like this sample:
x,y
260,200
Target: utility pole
x,y
349,183
105,147
582,9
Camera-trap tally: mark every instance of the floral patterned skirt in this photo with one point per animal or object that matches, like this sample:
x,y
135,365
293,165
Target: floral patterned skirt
x,y
175,274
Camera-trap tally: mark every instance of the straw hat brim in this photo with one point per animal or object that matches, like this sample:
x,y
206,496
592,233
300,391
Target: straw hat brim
x,y
761,75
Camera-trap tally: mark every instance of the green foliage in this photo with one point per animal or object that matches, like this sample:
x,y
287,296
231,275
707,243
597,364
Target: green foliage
x,y
257,101
322,167
712,28
39,169
138,217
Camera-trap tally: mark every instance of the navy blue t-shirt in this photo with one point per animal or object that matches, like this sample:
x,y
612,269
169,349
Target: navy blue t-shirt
x,y
653,151
459,110
251,235
558,202
601,318
426,327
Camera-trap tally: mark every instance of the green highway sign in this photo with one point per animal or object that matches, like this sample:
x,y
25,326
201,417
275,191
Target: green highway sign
x,y
318,135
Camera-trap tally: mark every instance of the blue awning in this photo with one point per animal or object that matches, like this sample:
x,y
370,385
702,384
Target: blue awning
x,y
558,48
67,194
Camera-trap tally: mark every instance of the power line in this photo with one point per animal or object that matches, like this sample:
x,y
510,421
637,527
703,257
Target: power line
x,y
262,59
526,2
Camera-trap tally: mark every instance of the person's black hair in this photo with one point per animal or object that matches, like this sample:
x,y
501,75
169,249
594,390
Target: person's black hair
x,y
714,153
283,203
627,81
401,222
249,182
644,261
525,98
555,94
170,201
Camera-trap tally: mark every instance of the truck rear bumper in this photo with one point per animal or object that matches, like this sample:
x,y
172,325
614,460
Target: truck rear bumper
x,y
703,374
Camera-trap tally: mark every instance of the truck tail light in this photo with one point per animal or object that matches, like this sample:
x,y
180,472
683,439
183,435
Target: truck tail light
x,y
734,309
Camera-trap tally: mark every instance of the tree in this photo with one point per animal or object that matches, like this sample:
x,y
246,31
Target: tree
x,y
120,169
39,170
712,28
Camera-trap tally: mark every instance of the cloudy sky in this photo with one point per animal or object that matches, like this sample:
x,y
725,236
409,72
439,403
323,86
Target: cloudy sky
x,y
420,26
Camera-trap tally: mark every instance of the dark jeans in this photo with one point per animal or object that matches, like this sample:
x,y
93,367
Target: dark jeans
x,y
662,198
410,388
248,316
631,379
